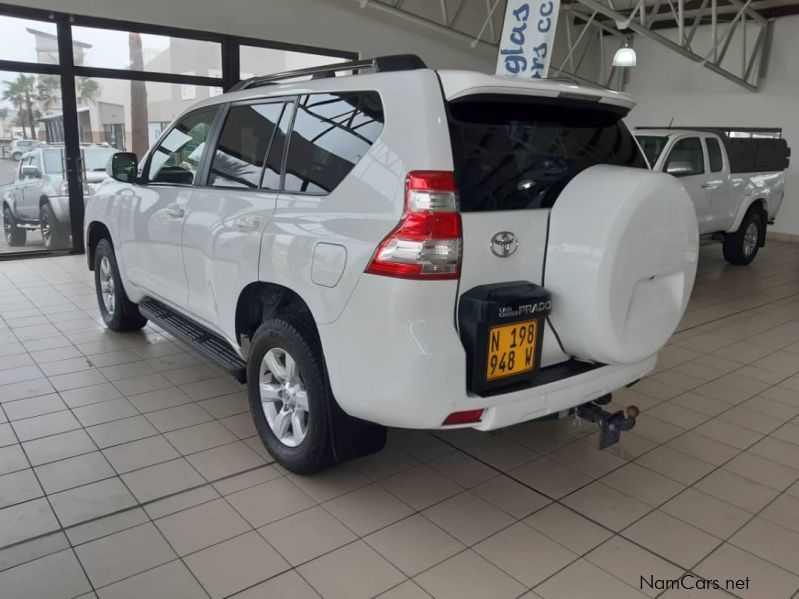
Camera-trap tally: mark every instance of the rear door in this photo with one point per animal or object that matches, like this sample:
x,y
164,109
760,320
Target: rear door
x,y
513,155
229,211
718,186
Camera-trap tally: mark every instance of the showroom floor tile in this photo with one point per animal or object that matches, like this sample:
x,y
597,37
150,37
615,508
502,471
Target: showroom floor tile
x,y
129,467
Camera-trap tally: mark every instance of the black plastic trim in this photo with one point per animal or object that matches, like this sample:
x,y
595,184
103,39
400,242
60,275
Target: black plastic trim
x,y
201,339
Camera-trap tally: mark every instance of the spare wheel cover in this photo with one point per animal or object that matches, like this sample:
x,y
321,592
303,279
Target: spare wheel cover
x,y
621,262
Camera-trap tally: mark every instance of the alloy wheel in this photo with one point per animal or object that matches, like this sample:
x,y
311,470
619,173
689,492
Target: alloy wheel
x,y
284,398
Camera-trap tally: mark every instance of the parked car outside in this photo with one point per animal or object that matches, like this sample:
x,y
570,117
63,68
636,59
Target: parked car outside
x,y
39,197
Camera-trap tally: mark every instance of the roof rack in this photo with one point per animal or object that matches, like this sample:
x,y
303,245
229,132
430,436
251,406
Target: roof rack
x,y
379,64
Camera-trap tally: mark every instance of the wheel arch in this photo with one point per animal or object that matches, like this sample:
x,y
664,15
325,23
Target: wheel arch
x,y
94,233
261,300
759,203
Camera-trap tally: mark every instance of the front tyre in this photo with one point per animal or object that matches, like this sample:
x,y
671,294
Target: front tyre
x,y
742,246
289,395
118,312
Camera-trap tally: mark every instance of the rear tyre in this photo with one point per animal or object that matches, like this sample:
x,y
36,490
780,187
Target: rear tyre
x,y
741,247
54,233
290,395
118,312
15,236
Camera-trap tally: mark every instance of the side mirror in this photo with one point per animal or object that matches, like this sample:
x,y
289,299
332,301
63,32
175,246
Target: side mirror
x,y
31,172
123,166
680,168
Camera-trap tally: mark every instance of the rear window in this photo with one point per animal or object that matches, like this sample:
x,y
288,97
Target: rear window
x,y
516,153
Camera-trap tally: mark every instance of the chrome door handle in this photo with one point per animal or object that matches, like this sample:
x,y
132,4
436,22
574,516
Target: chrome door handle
x,y
175,211
708,185
245,223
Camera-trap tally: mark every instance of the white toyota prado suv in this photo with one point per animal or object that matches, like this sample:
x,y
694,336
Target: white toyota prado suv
x,y
401,247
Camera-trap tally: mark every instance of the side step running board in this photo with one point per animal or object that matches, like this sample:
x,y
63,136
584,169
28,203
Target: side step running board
x,y
201,339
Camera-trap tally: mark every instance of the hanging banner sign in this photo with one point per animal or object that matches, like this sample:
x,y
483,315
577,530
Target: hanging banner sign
x,y
525,48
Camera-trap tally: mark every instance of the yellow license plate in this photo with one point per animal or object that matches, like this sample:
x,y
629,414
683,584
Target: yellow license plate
x,y
511,349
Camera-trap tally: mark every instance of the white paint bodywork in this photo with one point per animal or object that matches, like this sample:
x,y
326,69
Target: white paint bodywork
x,y
721,199
392,350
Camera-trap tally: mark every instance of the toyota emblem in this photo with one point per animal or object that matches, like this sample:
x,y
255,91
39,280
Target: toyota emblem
x,y
504,243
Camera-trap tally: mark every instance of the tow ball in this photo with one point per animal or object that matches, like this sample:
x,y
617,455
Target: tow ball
x,y
610,424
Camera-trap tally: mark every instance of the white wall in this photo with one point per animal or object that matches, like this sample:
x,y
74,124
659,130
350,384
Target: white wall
x,y
669,85
336,24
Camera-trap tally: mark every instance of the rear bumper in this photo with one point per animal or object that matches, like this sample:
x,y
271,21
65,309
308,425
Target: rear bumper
x,y
394,357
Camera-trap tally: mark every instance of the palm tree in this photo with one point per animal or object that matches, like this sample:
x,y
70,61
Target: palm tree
x,y
22,94
138,98
87,90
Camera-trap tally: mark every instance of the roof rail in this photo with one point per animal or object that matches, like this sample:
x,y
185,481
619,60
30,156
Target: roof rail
x,y
379,64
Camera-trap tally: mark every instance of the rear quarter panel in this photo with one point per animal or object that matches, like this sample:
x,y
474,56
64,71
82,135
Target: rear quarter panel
x,y
368,203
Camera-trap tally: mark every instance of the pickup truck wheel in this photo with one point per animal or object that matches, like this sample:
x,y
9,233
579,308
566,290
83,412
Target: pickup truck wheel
x,y
118,312
741,247
15,236
289,395
54,233
16,156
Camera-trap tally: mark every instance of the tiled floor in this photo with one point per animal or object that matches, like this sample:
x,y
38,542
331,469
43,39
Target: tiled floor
x,y
129,468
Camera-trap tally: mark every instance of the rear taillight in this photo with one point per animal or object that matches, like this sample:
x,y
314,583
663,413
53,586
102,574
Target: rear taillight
x,y
63,188
426,244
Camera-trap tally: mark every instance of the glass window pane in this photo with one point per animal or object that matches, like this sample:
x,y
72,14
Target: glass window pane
x,y
256,61
28,40
113,49
243,145
331,134
127,115
688,150
177,157
26,100
714,155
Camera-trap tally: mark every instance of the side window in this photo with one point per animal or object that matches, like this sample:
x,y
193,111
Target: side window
x,y
177,157
686,158
331,133
244,145
714,158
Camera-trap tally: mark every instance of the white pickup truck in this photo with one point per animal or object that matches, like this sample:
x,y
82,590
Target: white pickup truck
x,y
736,184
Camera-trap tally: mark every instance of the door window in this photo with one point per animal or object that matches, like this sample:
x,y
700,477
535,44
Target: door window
x,y
687,155
177,157
331,133
243,155
714,158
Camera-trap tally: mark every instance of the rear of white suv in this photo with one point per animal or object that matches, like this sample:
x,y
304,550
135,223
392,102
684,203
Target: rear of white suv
x,y
475,251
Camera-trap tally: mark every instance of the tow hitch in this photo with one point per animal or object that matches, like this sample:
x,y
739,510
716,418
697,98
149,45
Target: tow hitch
x,y
610,424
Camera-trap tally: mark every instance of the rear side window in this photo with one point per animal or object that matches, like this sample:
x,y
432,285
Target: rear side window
x,y
244,144
515,153
714,158
331,133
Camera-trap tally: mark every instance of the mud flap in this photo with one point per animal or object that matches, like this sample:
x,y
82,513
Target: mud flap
x,y
353,437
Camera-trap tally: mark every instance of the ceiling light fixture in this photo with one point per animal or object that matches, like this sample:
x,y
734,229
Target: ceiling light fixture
x,y
625,56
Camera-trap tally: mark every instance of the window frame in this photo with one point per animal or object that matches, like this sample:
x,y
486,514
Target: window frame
x,y
702,149
290,101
